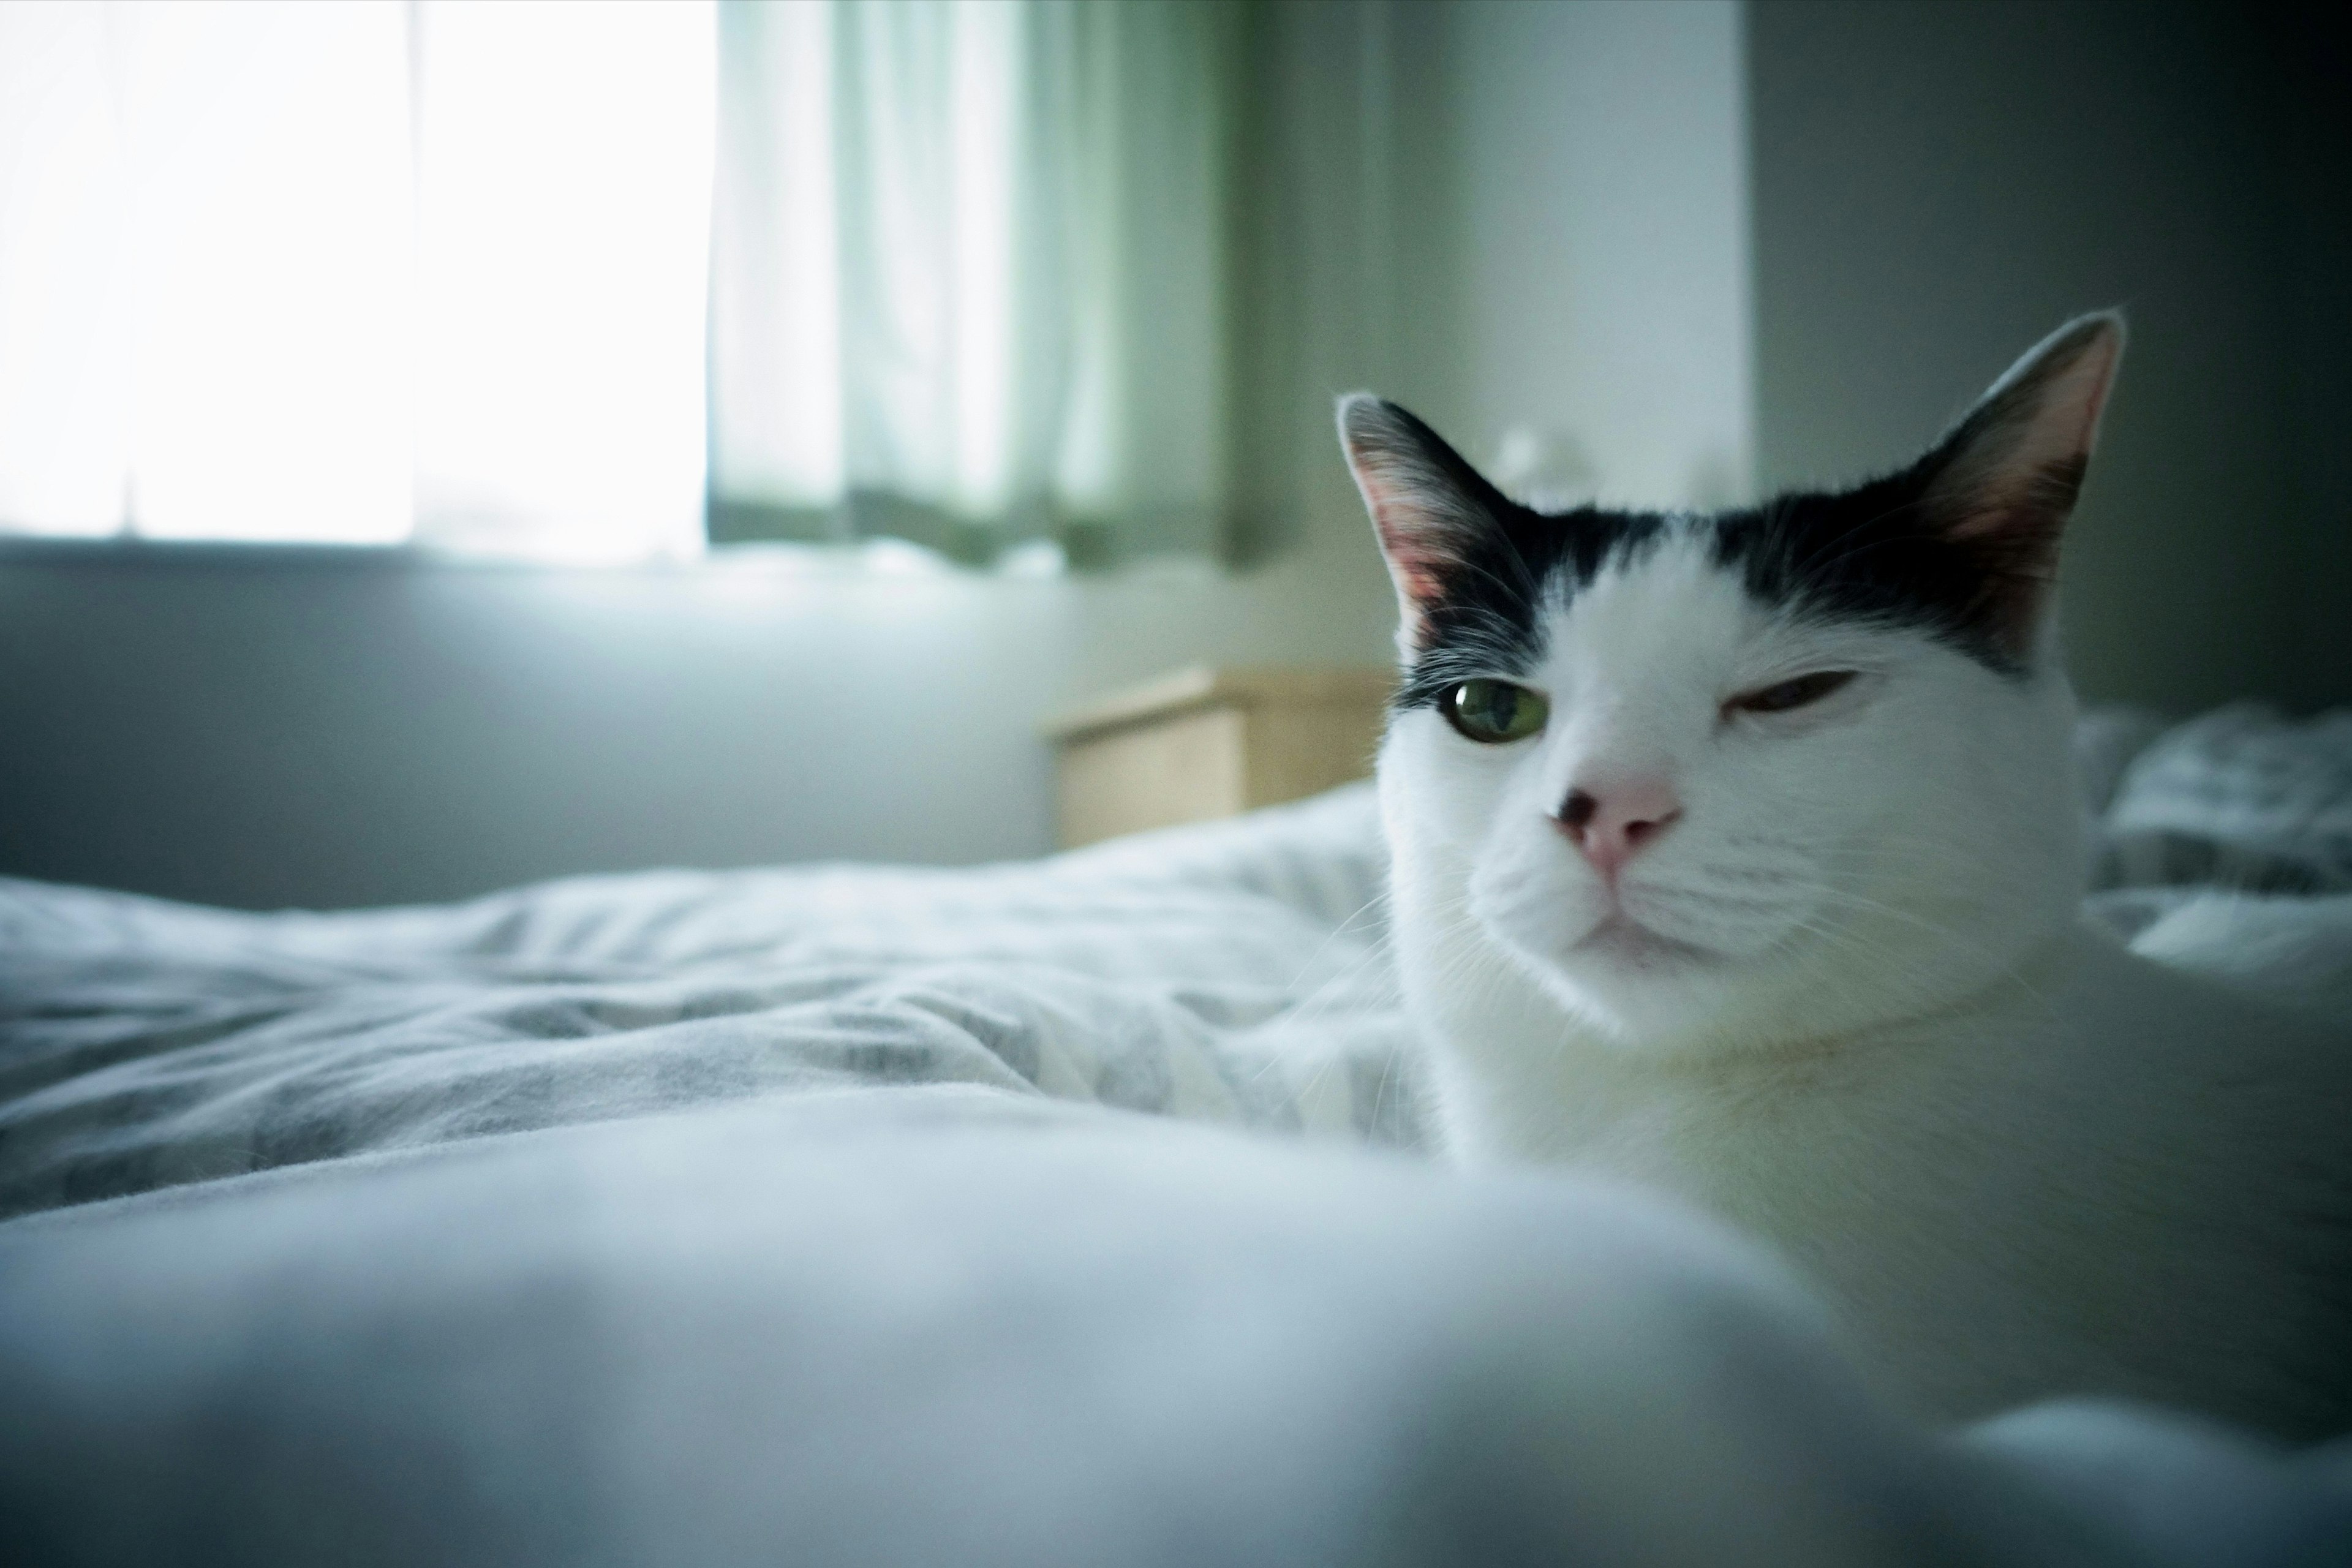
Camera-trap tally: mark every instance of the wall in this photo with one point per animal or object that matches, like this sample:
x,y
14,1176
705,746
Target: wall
x,y
329,730
1604,271
1937,187
2314,52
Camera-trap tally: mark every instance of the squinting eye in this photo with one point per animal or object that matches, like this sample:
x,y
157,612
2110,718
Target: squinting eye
x,y
1494,711
1800,692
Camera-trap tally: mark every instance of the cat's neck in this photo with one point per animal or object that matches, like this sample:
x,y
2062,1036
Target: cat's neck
x,y
1519,1075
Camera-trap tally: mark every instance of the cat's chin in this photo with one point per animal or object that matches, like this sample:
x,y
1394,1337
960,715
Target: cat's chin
x,y
1621,945
1631,984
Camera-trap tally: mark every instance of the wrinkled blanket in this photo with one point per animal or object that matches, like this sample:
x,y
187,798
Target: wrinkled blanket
x,y
1230,973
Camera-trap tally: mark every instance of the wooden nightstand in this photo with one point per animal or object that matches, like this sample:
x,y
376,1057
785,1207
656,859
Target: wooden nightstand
x,y
1207,743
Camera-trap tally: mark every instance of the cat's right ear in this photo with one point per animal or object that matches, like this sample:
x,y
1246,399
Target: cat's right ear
x,y
1430,508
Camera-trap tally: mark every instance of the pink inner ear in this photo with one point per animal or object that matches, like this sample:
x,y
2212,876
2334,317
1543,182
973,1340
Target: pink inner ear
x,y
2099,365
2024,478
1413,567
1425,506
1416,578
1416,561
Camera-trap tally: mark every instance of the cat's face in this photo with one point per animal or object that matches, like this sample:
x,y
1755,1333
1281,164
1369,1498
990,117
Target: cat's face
x,y
1741,774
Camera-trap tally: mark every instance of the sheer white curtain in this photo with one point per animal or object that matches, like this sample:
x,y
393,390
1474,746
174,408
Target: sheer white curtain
x,y
359,272
971,276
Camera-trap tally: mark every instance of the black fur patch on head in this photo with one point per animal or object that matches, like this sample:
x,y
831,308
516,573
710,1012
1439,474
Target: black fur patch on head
x,y
1487,618
1962,546
1864,555
1868,555
1473,569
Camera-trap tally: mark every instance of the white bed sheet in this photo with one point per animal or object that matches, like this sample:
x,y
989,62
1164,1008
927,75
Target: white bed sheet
x,y
1232,972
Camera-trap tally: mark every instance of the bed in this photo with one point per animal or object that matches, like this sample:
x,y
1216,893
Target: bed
x,y
1075,1211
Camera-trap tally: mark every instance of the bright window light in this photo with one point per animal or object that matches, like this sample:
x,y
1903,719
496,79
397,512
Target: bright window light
x,y
65,375
266,166
356,273
564,212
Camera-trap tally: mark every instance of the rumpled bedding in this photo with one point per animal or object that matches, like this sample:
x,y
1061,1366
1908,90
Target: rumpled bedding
x,y
1071,1211
1225,973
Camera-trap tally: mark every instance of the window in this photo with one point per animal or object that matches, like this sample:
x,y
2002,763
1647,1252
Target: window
x,y
561,281
361,273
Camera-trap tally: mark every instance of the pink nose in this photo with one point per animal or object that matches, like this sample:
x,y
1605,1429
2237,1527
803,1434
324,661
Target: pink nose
x,y
1612,825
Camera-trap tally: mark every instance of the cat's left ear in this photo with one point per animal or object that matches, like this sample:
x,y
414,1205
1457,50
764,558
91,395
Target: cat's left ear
x,y
2005,481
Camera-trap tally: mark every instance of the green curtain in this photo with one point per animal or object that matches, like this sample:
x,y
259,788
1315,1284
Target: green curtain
x,y
973,278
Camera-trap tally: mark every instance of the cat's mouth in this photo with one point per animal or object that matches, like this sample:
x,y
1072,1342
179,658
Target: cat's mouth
x,y
1618,939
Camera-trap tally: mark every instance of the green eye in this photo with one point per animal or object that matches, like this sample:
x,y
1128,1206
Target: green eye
x,y
1494,711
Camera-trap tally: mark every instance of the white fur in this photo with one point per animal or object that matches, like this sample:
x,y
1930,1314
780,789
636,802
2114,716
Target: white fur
x,y
2020,1160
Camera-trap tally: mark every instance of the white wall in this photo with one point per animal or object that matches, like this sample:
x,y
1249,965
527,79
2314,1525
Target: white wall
x,y
1605,246
289,731
271,731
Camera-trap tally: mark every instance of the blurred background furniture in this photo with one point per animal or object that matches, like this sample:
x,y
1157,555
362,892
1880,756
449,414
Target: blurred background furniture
x,y
1205,742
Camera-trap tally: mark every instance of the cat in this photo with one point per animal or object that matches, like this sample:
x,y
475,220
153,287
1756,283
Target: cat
x,y
1739,855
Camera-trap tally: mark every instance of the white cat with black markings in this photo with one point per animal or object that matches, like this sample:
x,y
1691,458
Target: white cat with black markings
x,y
1738,854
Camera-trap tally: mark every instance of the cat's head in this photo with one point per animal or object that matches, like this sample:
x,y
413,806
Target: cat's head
x,y
1745,774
